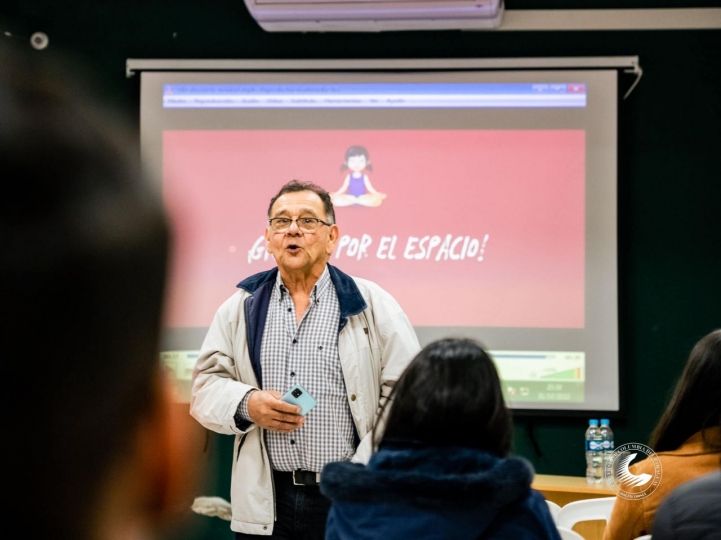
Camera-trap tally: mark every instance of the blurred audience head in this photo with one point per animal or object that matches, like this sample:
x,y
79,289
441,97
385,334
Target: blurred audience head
x,y
450,395
695,404
85,253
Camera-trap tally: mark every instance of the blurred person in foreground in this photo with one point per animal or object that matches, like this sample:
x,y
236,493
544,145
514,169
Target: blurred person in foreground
x,y
692,511
95,449
686,439
443,468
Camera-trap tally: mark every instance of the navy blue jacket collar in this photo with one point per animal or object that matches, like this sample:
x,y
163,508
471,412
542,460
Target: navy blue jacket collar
x,y
260,286
349,297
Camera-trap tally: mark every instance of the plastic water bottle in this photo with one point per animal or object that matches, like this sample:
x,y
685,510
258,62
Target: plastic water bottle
x,y
594,453
607,443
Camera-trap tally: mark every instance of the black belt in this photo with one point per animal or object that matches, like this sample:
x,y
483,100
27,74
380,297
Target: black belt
x,y
302,477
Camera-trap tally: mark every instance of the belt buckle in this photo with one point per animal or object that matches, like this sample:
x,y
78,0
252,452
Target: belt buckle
x,y
315,476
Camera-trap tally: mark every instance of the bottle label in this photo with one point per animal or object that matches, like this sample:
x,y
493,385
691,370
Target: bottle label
x,y
607,445
594,445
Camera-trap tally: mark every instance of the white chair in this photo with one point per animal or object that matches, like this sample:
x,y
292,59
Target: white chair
x,y
568,534
585,510
554,508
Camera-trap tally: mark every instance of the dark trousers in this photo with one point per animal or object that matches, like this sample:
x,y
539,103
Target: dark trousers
x,y
301,511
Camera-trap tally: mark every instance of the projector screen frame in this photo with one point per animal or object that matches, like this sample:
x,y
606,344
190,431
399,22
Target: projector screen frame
x,y
627,64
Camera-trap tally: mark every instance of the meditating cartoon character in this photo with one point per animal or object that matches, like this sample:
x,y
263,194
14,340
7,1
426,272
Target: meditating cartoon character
x,y
357,187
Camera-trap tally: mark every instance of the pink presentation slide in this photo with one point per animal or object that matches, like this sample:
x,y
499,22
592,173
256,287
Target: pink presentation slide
x,y
477,227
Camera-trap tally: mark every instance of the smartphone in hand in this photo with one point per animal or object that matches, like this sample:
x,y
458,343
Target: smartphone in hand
x,y
299,396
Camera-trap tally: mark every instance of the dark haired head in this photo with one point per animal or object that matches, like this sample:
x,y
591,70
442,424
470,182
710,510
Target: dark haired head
x,y
295,186
696,400
450,395
85,243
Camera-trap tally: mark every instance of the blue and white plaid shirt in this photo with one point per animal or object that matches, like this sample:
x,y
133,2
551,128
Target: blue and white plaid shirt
x,y
307,353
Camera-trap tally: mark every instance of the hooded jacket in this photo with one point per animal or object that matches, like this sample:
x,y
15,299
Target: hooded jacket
x,y
412,491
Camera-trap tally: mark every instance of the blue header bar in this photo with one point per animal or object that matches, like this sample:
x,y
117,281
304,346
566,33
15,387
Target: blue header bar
x,y
374,95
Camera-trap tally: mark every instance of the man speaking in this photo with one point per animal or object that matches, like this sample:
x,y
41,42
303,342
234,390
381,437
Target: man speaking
x,y
344,339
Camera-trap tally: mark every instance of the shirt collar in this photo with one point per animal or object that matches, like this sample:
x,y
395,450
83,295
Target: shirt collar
x,y
319,289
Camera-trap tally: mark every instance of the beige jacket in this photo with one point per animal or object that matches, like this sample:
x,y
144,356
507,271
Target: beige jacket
x,y
374,347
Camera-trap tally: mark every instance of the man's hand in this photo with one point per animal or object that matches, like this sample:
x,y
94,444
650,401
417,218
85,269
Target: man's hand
x,y
268,411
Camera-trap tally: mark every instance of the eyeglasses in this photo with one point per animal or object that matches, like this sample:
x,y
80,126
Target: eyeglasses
x,y
305,224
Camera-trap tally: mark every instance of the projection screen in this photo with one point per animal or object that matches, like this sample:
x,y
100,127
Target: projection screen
x,y
496,218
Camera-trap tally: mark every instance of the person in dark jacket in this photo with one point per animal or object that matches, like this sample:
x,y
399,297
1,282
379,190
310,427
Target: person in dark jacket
x,y
692,511
442,469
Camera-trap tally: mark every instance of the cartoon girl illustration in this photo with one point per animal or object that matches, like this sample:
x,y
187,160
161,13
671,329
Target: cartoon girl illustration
x,y
357,187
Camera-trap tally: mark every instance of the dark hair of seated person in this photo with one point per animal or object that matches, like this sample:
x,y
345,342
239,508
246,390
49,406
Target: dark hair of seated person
x,y
450,395
695,404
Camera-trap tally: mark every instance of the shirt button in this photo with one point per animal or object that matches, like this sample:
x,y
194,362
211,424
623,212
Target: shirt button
x,y
292,441
292,373
295,341
352,397
320,348
289,310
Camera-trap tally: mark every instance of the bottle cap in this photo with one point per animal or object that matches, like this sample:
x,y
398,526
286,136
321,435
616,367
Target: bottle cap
x,y
593,422
605,422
